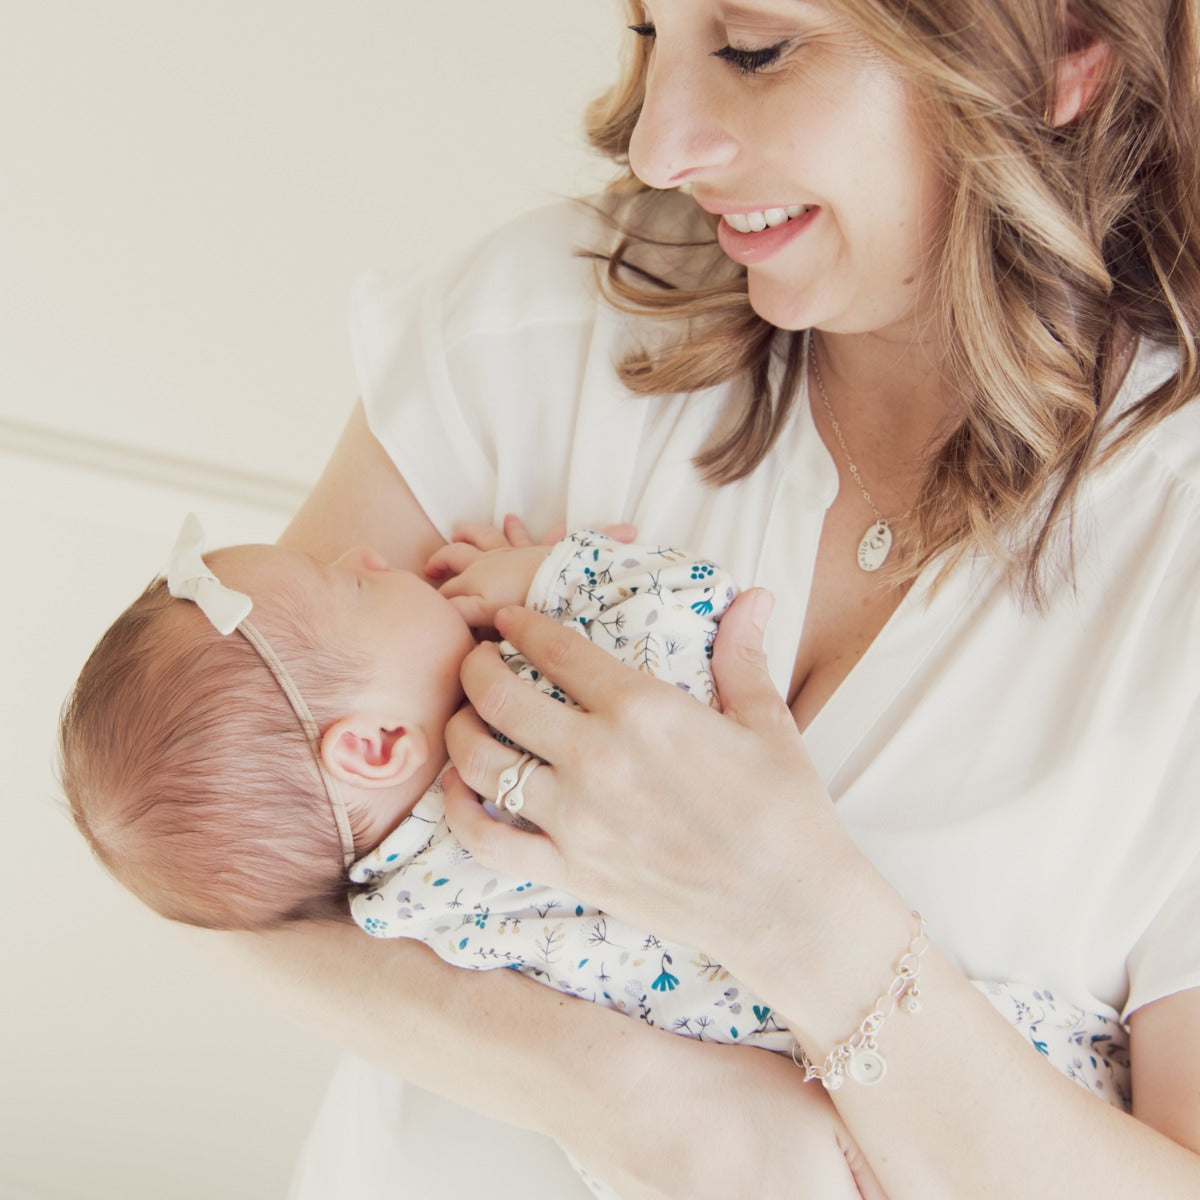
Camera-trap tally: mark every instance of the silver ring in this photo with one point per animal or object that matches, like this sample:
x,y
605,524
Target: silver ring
x,y
510,795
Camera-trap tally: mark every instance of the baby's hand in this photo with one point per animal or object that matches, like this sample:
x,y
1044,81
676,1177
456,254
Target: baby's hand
x,y
483,571
484,568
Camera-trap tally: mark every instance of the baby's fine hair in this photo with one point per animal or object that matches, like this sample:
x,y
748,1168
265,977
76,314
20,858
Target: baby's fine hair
x,y
186,770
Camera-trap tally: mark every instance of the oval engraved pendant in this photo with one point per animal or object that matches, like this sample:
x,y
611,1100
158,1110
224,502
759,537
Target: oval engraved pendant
x,y
874,547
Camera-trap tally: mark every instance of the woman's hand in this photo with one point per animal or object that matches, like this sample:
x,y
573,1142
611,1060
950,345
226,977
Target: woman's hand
x,y
653,807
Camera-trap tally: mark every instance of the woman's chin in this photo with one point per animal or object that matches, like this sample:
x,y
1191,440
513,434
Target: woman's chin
x,y
782,306
792,308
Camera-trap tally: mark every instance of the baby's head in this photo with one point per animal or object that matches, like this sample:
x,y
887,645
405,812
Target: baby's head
x,y
189,769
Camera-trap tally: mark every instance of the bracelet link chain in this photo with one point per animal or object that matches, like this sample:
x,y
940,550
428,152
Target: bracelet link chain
x,y
858,1057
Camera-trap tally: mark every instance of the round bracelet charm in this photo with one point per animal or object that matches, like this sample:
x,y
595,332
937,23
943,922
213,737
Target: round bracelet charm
x,y
866,1066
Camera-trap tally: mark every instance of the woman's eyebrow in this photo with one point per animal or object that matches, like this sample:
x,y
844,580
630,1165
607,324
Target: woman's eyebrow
x,y
754,17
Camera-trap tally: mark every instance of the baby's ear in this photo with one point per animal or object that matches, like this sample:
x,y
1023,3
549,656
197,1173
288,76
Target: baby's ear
x,y
360,752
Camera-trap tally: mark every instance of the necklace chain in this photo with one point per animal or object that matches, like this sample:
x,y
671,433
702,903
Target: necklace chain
x,y
876,543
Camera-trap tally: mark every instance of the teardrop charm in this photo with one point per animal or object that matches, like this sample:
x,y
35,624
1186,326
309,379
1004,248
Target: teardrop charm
x,y
875,545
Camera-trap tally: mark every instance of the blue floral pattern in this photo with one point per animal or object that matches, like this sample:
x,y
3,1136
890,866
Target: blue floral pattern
x,y
657,609
1090,1048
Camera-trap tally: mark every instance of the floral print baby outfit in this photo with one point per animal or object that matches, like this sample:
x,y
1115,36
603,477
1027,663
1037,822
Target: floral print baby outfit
x,y
655,608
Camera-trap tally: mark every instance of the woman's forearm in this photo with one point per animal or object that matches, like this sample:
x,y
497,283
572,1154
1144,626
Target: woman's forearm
x,y
498,1044
966,1107
780,895
652,1113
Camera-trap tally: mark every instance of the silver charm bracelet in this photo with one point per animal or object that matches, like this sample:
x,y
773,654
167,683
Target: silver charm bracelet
x,y
858,1056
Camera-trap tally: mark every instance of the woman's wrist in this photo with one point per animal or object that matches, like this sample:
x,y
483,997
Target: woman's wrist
x,y
828,949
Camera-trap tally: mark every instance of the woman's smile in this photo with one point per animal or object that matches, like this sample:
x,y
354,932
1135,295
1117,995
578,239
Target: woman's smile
x,y
814,162
751,238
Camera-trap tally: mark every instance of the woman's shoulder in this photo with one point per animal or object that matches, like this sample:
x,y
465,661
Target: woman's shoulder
x,y
543,266
536,267
524,285
540,266
1173,443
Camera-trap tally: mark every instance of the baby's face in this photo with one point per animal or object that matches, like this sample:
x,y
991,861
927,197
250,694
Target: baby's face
x,y
413,636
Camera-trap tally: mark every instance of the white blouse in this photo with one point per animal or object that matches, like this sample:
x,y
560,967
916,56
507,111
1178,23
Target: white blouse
x,y
1030,781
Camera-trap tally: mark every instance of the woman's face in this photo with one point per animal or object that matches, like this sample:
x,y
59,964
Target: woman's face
x,y
777,112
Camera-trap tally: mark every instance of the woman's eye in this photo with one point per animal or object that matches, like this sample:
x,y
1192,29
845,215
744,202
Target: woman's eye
x,y
750,61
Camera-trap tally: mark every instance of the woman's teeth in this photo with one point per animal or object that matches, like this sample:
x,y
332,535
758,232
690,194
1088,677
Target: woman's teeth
x,y
756,222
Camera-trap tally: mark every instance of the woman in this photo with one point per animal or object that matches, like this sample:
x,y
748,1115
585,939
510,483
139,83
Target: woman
x,y
971,488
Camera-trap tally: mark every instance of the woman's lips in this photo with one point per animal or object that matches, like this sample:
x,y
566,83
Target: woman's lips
x,y
753,237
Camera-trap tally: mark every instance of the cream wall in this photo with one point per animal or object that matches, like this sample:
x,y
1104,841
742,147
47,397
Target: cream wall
x,y
188,191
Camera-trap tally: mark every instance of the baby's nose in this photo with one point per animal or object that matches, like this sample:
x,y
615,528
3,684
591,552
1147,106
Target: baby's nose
x,y
373,560
363,558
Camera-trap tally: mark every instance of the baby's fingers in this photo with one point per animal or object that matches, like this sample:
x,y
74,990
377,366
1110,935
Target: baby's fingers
x,y
453,559
482,536
475,610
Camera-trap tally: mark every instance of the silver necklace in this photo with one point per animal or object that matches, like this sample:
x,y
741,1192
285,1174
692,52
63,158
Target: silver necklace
x,y
876,543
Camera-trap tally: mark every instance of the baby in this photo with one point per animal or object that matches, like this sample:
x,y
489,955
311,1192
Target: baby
x,y
246,781
240,774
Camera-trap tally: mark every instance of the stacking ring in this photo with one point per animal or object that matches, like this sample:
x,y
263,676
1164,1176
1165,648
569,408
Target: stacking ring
x,y
509,790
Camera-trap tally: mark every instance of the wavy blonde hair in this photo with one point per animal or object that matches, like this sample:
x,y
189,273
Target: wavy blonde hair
x,y
1061,248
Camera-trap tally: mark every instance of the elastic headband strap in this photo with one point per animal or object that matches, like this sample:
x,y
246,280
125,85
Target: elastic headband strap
x,y
189,577
311,731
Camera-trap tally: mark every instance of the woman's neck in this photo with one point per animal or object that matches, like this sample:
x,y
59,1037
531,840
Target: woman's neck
x,y
892,407
889,394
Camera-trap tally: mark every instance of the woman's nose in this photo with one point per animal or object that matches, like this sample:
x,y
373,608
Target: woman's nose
x,y
680,136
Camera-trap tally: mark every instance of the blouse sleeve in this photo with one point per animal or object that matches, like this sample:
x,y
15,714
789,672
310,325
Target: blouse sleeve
x,y
1166,957
1155,969
1165,954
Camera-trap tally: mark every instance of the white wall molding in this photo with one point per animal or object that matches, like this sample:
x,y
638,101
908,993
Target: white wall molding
x,y
140,465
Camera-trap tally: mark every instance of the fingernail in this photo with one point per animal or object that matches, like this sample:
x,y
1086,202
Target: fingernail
x,y
762,605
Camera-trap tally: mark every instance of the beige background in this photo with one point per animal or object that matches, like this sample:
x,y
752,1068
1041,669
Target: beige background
x,y
189,189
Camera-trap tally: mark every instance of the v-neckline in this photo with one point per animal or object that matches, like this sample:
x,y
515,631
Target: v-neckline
x,y
808,485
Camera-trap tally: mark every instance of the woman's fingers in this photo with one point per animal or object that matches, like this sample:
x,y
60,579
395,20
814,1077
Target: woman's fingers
x,y
517,532
527,717
494,843
622,531
740,665
477,756
591,676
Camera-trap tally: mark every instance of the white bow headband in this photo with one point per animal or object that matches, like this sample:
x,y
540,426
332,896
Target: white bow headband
x,y
190,578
